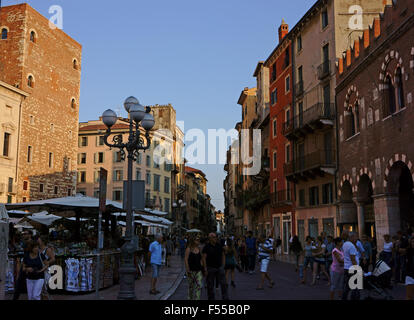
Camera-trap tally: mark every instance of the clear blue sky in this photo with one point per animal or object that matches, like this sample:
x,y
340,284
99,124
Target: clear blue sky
x,y
196,55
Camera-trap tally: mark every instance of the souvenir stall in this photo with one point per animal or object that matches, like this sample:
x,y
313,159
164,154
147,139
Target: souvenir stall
x,y
71,223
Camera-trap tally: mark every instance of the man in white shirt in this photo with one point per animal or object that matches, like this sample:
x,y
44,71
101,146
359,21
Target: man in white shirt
x,y
351,258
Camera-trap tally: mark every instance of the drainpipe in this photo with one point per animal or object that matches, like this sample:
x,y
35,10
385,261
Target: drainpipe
x,y
293,113
337,159
18,139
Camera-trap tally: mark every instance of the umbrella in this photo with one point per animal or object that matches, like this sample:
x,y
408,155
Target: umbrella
x,y
194,231
44,218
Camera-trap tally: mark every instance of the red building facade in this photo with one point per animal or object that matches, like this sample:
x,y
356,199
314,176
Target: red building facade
x,y
280,151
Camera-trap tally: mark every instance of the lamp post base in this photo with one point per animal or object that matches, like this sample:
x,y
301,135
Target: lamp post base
x,y
127,273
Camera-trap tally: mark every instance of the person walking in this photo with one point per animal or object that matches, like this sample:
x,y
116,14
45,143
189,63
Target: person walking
x,y
330,245
47,255
319,255
169,248
409,277
34,270
251,246
337,269
309,260
194,268
230,261
296,250
155,257
386,254
264,249
213,262
368,253
350,259
20,284
182,244
244,260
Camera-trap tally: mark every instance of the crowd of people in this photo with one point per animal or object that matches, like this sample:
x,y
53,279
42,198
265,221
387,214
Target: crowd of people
x,y
212,262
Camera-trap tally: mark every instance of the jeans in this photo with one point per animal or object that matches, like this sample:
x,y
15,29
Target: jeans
x,y
355,294
252,261
212,275
34,289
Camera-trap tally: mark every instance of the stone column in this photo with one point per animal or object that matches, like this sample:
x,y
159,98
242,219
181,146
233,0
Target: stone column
x,y
387,216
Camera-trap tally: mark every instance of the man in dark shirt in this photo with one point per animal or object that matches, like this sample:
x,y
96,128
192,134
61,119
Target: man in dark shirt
x,y
251,246
213,260
20,284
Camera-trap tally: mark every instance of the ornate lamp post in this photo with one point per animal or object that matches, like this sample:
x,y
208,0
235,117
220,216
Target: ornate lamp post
x,y
138,115
177,206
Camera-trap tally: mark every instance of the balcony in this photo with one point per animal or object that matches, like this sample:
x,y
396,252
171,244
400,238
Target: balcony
x,y
299,89
281,198
175,168
311,166
315,118
324,70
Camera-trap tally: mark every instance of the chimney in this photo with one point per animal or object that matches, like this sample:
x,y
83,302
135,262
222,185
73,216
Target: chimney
x,y
283,30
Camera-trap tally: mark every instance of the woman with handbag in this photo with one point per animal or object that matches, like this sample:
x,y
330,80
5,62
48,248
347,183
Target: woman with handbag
x,y
34,269
47,255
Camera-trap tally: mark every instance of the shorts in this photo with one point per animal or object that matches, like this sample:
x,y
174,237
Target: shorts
x,y
409,281
308,261
337,281
155,270
264,264
229,267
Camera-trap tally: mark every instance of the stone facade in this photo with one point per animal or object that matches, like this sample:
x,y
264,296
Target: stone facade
x,y
374,97
45,63
11,101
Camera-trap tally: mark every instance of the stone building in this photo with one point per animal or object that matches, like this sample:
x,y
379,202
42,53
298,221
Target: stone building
x,y
11,101
375,109
154,166
45,63
321,36
280,90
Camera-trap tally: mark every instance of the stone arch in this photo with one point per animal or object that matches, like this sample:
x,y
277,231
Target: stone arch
x,y
352,112
346,193
397,158
401,184
346,178
365,172
365,189
392,61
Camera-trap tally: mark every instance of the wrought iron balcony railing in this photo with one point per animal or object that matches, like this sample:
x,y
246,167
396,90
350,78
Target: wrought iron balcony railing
x,y
324,70
314,160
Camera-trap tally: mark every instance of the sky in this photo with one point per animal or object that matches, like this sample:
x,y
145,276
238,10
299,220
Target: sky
x,y
196,55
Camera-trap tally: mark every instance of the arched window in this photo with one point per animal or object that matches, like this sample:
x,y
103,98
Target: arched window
x,y
399,88
73,104
356,116
30,81
4,33
389,95
33,37
75,64
352,130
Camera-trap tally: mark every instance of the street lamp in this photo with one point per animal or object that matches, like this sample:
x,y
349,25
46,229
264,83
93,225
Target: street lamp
x,y
178,206
138,115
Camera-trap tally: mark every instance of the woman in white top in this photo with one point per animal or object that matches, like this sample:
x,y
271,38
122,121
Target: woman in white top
x,y
387,252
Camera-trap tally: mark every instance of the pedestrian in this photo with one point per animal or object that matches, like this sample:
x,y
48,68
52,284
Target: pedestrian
x,y
244,260
374,251
182,244
337,269
213,262
264,250
409,278
296,250
251,246
401,259
368,253
155,257
169,247
350,260
319,255
230,261
309,260
194,268
278,246
330,245
386,254
20,284
272,242
47,255
34,270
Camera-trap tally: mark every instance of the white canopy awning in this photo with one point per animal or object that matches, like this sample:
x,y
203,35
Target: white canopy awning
x,y
155,219
43,218
155,212
145,224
